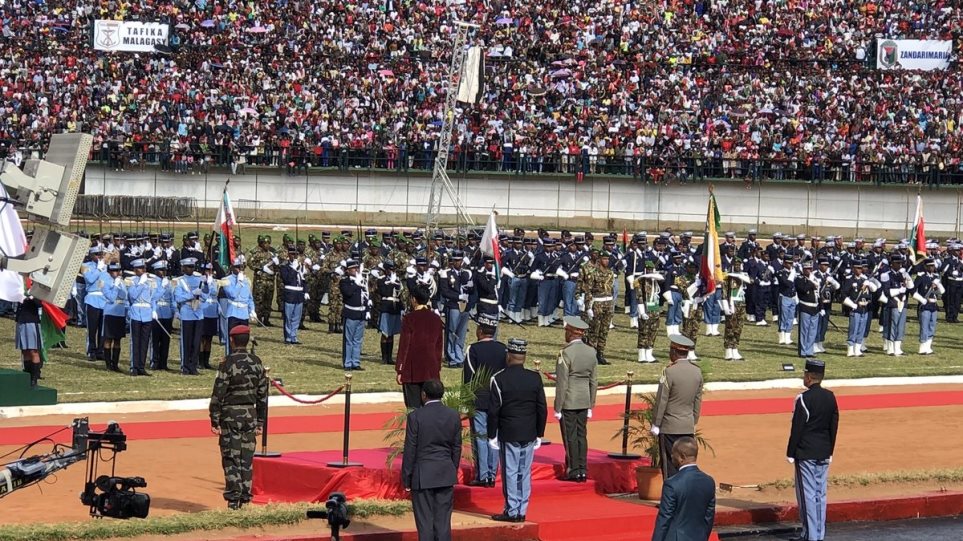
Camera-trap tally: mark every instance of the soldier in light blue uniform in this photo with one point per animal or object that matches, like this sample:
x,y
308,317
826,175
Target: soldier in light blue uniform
x,y
239,298
190,303
163,324
95,277
115,316
143,310
211,309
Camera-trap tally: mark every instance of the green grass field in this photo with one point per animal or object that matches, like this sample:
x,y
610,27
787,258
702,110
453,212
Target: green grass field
x,y
315,366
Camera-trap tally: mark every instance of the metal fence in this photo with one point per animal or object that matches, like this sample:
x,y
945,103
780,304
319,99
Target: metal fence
x,y
144,207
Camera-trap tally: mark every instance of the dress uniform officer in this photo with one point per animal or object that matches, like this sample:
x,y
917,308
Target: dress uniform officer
x,y
238,409
293,296
143,312
575,388
732,301
516,426
189,296
211,309
807,291
569,265
678,402
95,278
692,308
484,358
354,292
240,298
647,294
896,285
453,287
486,287
828,285
389,296
857,292
812,440
786,278
545,268
598,305
927,291
115,316
163,324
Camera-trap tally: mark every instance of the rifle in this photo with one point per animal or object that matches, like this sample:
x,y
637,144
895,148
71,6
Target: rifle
x,y
297,232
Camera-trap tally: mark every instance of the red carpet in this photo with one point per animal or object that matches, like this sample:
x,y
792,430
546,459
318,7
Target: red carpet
x,y
311,424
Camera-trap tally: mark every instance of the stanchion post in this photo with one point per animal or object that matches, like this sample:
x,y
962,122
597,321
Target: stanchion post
x,y
347,428
625,455
538,370
264,453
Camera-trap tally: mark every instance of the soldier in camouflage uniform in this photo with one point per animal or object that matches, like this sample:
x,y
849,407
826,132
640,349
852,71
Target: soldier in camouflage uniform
x,y
690,322
584,275
402,258
647,292
371,262
598,305
331,265
238,408
260,261
734,307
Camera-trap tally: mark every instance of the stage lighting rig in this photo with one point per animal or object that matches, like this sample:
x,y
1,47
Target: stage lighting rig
x,y
46,190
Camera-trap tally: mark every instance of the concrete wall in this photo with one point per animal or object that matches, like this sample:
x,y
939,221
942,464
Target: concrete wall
x,y
555,202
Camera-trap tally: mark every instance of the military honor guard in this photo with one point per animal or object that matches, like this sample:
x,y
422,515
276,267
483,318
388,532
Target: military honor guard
x,y
692,308
598,305
212,315
812,440
649,309
95,279
678,401
454,285
569,268
732,299
484,359
142,294
486,288
353,290
389,319
516,426
857,293
896,285
189,298
293,296
786,280
262,261
828,286
115,316
241,309
575,390
807,291
927,290
163,324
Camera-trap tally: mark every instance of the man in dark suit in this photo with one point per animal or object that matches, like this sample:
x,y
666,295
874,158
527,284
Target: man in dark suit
x,y
812,440
429,468
484,358
420,347
516,425
688,505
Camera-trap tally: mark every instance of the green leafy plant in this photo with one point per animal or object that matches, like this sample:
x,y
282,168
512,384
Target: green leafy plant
x,y
460,398
640,434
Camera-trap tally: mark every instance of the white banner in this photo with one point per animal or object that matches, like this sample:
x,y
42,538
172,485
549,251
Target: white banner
x,y
130,36
913,54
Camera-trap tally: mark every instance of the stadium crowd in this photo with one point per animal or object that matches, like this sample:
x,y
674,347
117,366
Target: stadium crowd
x,y
752,89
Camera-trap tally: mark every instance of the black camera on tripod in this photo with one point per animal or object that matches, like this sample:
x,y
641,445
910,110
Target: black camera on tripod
x,y
336,513
117,497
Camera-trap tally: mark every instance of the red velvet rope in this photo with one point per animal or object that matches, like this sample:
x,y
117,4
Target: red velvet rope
x,y
298,400
602,388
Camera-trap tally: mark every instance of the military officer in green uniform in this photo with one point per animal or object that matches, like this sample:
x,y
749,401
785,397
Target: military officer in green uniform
x,y
647,292
598,305
678,402
312,279
734,306
692,309
260,261
238,408
575,388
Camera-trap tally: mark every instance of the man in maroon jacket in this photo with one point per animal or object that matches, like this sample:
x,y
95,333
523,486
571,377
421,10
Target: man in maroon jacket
x,y
420,348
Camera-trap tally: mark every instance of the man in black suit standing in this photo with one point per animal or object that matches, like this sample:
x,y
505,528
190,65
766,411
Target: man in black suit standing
x,y
688,506
429,467
516,425
812,440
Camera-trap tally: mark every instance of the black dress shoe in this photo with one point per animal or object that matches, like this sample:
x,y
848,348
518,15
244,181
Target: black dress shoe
x,y
602,360
134,373
570,478
143,373
358,368
490,483
502,517
478,483
582,478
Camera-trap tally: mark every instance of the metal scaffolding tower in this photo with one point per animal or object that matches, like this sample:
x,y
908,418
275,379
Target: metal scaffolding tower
x,y
439,177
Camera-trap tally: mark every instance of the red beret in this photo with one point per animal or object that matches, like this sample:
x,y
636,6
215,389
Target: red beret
x,y
240,329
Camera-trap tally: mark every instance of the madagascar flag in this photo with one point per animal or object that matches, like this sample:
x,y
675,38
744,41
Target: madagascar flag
x,y
53,328
710,270
224,225
918,233
489,244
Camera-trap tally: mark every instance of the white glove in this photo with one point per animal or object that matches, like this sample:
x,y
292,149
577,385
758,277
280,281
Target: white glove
x,y
668,297
197,292
339,271
101,265
493,443
822,313
590,313
307,261
790,460
367,316
830,459
241,277
153,315
580,301
644,315
275,260
463,297
589,413
118,281
654,430
315,267
558,415
252,316
165,282
267,269
307,296
211,281
538,442
358,279
73,291
507,273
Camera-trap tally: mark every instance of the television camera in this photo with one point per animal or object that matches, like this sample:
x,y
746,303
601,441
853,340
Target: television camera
x,y
335,512
106,495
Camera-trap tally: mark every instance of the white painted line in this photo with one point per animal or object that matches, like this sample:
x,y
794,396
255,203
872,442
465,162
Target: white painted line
x,y
200,404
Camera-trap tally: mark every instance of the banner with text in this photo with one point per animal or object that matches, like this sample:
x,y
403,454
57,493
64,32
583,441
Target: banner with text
x,y
913,54
132,36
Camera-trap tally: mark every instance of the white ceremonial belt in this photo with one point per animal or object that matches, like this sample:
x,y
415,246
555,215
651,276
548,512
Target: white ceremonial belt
x,y
764,284
239,304
294,288
89,293
355,308
163,303
210,301
141,305
488,301
118,301
809,304
956,279
393,299
602,299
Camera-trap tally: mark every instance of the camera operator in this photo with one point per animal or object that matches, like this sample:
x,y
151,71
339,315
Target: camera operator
x,y
238,407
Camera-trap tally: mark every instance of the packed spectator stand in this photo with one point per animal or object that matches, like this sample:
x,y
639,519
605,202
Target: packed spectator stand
x,y
660,90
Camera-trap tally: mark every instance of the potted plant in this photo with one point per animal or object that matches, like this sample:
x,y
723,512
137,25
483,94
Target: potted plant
x,y
649,478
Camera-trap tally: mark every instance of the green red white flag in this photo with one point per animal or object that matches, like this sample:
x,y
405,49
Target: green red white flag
x,y
710,270
224,226
489,243
918,233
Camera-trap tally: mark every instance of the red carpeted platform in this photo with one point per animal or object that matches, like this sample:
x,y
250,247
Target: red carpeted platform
x,y
561,510
333,421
